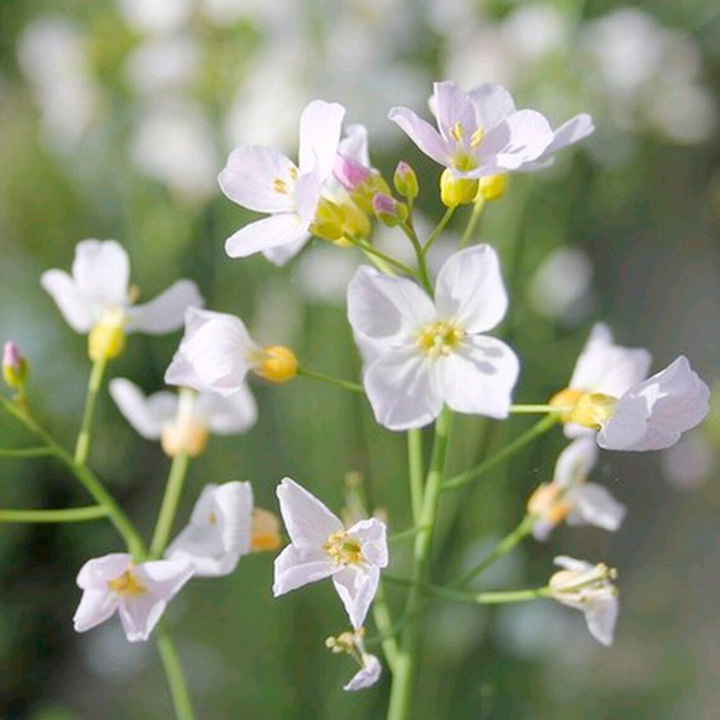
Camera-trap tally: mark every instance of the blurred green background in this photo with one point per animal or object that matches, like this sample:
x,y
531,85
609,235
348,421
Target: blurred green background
x,y
115,117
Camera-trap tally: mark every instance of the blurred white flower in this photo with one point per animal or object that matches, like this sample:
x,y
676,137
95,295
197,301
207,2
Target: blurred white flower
x,y
53,55
588,588
183,420
536,30
419,353
156,16
323,273
322,547
688,463
173,143
139,593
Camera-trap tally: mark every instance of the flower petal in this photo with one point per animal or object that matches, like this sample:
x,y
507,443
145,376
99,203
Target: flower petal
x,y
424,135
282,254
101,271
166,312
270,232
518,139
228,414
294,569
139,614
470,289
164,578
479,378
601,615
575,463
75,308
452,107
356,587
95,607
96,573
492,104
259,179
147,415
401,390
320,127
355,144
308,521
373,535
594,505
366,676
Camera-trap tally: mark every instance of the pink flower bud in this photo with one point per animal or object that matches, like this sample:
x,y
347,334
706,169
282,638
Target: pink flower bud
x,y
405,180
14,366
388,210
350,173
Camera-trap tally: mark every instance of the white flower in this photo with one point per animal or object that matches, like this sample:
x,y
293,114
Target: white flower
x,y
608,393
322,547
589,588
182,421
569,497
352,643
482,133
419,354
97,298
139,593
219,531
266,181
217,353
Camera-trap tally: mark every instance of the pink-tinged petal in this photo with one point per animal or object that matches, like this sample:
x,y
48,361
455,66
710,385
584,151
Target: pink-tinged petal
x,y
594,505
605,367
228,414
674,400
470,289
452,107
575,462
293,569
308,521
267,233
401,390
259,179
601,616
520,138
367,676
373,536
356,587
320,127
167,311
96,573
492,104
101,271
355,144
75,308
479,378
139,614
573,130
147,415
424,135
95,607
386,308
282,254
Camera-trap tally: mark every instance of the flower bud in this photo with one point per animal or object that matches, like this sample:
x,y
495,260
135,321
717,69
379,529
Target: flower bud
x,y
107,337
456,191
388,210
492,187
340,222
583,408
277,364
14,366
350,173
264,531
188,438
406,181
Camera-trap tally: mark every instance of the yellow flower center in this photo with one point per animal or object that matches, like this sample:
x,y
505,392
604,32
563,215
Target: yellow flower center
x,y
548,503
107,337
343,550
584,408
127,584
440,338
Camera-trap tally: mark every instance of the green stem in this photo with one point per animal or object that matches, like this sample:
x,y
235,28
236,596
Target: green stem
x,y
406,662
345,384
424,275
168,509
474,219
26,452
533,409
435,234
405,534
415,471
93,512
82,447
508,543
500,457
384,624
369,249
175,675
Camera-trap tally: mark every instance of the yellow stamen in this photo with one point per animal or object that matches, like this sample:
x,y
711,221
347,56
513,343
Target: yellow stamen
x,y
343,549
457,131
280,186
127,584
547,502
476,138
440,338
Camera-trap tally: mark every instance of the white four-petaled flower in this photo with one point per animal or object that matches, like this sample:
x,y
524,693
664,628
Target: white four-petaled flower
x,y
419,353
588,588
322,547
98,294
266,181
139,593
219,532
480,132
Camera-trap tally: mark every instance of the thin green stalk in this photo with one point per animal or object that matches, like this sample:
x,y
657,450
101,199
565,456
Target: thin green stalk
x,y
424,275
500,457
406,661
533,409
345,384
474,219
94,512
82,447
26,452
415,471
367,248
175,676
435,234
506,545
405,534
384,624
168,509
